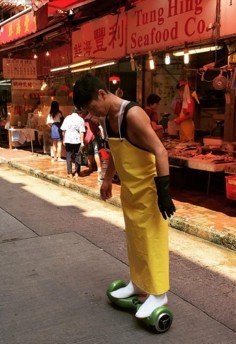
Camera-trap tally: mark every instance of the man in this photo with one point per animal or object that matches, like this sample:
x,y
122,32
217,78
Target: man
x,y
153,101
93,143
73,129
141,161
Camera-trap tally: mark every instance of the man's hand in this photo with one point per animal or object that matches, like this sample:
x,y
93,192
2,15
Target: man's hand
x,y
81,148
105,190
165,203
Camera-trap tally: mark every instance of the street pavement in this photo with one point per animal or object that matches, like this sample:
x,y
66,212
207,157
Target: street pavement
x,y
60,249
212,218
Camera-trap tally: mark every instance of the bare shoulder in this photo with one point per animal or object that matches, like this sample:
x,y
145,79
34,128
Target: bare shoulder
x,y
136,114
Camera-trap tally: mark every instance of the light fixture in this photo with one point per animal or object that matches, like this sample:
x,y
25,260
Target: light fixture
x,y
35,56
114,79
198,50
151,61
78,64
47,53
59,68
81,63
132,63
93,67
186,56
103,65
5,82
70,13
167,58
44,85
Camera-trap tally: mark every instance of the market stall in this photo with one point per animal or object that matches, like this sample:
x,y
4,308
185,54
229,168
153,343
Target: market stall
x,y
203,158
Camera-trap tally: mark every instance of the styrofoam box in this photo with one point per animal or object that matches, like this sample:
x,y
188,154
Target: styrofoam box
x,y
212,141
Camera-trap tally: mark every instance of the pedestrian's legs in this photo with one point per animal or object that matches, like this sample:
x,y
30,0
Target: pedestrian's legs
x,y
77,165
96,146
54,149
69,152
59,145
91,163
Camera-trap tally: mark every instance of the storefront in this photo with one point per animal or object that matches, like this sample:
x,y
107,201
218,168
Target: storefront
x,y
120,47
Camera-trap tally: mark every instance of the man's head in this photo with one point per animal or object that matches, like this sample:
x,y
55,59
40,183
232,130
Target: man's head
x,y
153,99
88,90
181,85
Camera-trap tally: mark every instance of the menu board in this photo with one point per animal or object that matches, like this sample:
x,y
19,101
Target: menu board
x,y
19,69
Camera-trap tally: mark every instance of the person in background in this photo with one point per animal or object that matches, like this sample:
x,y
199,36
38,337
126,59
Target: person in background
x,y
141,160
153,101
54,121
93,142
36,122
73,130
184,109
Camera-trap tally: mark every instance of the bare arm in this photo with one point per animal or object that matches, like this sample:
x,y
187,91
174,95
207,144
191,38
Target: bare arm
x,y
106,187
82,138
141,134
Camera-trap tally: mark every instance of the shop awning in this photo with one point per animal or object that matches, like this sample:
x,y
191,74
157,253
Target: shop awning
x,y
63,5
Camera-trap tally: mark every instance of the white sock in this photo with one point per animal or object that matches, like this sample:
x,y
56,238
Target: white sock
x,y
151,303
126,291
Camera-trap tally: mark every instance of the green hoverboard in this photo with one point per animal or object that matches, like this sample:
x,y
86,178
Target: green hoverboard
x,y
160,319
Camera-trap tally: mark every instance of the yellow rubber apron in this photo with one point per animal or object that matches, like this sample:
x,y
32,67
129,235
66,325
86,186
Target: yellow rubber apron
x,y
146,230
186,130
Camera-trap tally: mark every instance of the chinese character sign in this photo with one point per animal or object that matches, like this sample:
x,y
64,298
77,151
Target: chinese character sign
x,y
227,21
159,24
26,84
103,39
19,69
18,28
60,56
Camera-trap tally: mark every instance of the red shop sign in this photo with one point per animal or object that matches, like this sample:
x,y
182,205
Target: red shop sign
x,y
18,28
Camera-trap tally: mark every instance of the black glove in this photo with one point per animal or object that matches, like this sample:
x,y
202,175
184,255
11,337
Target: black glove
x,y
165,203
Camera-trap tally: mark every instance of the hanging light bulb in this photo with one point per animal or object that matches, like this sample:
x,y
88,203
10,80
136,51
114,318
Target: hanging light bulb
x,y
114,79
132,63
167,58
35,56
151,61
186,56
47,53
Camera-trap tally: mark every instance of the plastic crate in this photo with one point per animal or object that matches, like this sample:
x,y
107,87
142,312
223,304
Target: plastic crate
x,y
231,187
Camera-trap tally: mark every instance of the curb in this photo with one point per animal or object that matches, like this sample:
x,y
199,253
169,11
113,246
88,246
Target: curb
x,y
63,182
223,238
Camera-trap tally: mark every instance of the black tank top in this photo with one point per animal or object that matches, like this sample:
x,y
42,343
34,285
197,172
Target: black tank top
x,y
123,128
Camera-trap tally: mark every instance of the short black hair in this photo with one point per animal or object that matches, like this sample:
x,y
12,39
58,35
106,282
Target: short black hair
x,y
86,89
153,98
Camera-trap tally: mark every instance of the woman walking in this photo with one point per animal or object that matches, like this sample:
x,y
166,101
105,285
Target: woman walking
x,y
54,121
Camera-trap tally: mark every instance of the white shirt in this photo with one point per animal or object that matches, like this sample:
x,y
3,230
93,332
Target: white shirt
x,y
73,125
